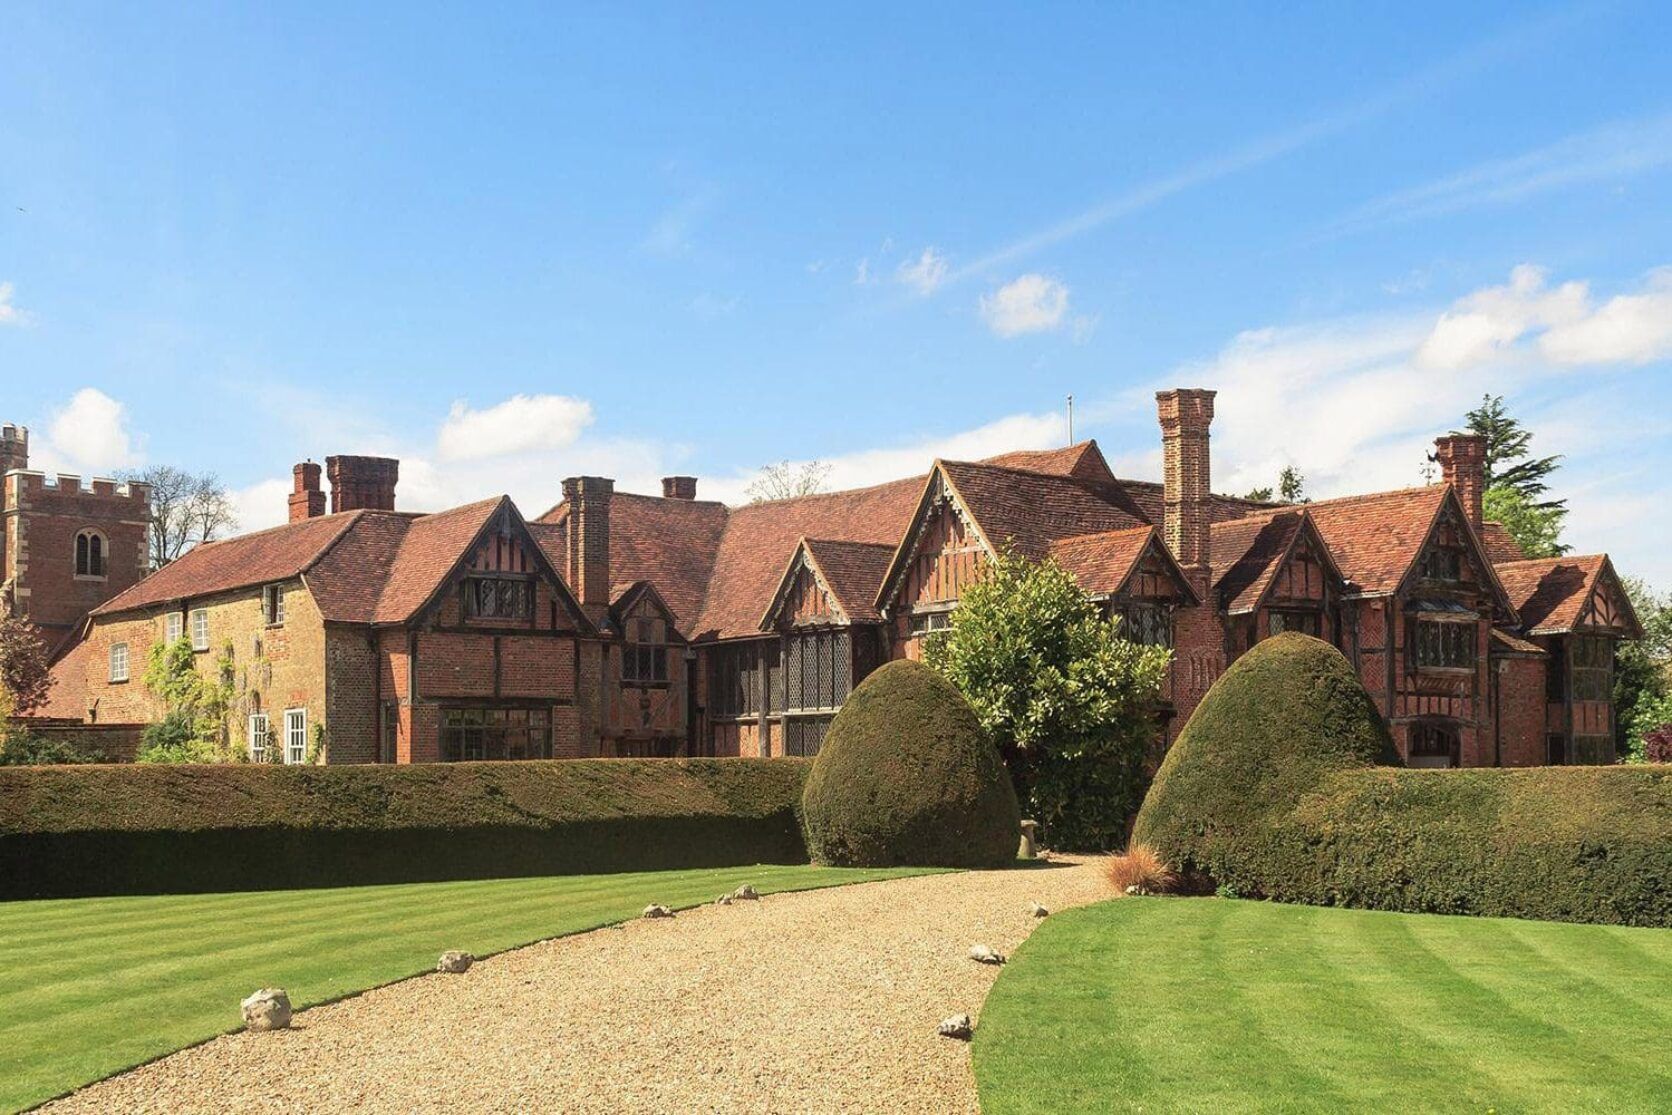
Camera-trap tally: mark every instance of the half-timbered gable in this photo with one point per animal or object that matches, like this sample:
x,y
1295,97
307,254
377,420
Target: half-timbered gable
x,y
1275,574
943,552
1133,578
645,673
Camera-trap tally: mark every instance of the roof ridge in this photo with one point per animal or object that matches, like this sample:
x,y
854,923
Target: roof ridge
x,y
810,496
1067,538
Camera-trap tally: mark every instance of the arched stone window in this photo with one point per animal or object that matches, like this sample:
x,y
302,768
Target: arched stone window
x,y
90,554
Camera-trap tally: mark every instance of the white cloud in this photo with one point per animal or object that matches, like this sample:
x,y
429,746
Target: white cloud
x,y
266,503
10,314
1627,329
1030,304
1527,322
89,435
519,424
925,273
862,272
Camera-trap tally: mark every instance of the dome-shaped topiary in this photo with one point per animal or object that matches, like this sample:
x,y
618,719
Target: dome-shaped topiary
x,y
907,777
1284,716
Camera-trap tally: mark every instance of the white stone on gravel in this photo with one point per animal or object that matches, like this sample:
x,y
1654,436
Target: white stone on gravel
x,y
267,1009
724,899
747,892
986,954
1037,910
454,961
957,1026
836,1016
656,910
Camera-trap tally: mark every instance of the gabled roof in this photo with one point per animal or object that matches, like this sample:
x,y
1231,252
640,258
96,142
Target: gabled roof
x,y
1103,563
627,597
760,539
1029,510
276,554
671,542
1503,642
433,547
850,573
1551,595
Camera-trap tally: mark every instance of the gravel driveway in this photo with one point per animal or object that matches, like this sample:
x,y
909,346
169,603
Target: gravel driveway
x,y
819,1001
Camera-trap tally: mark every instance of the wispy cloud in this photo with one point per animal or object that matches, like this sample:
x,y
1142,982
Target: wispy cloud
x,y
923,274
10,313
1264,149
519,424
1616,150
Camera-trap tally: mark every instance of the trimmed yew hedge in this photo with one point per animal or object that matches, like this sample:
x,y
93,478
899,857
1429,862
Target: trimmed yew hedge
x,y
69,831
1273,790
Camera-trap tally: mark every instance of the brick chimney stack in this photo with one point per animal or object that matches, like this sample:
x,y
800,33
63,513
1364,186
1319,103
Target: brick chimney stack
x,y
14,448
362,482
679,487
306,499
1462,460
1186,414
589,541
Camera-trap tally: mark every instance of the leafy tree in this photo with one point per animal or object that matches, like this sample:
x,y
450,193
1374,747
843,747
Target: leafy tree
x,y
24,675
1537,529
1291,485
1259,495
1069,702
1509,459
1643,670
186,508
785,480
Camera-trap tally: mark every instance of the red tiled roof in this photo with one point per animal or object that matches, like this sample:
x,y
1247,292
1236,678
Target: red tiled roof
x,y
1514,643
1500,547
854,573
671,543
759,539
1374,538
1102,563
1147,494
68,695
1030,510
1082,459
1246,554
433,545
275,554
1550,593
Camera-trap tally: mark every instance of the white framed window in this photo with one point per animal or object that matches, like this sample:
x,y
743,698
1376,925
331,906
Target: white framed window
x,y
118,661
272,605
258,737
200,628
173,626
295,735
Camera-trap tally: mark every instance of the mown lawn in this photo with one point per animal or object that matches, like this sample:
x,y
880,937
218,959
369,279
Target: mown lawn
x,y
91,986
1159,1004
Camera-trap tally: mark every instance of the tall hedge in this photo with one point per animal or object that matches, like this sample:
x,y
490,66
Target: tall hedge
x,y
1274,789
906,776
172,829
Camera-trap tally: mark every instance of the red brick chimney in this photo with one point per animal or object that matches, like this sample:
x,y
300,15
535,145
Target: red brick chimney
x,y
679,487
362,482
1462,460
1186,414
306,500
14,448
589,541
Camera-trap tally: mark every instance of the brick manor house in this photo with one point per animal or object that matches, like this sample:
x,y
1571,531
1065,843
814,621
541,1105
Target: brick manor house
x,y
620,624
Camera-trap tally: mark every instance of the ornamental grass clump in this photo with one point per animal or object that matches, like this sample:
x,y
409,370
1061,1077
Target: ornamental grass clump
x,y
1140,870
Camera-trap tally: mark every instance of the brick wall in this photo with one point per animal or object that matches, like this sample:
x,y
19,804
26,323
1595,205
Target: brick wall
x,y
351,695
1521,711
41,524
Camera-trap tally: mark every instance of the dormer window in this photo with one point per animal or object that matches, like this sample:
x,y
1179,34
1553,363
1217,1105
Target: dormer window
x,y
89,554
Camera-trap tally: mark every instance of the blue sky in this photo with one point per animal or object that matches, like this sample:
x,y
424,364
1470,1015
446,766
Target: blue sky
x,y
515,246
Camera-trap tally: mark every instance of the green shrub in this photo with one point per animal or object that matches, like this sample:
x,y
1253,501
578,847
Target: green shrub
x,y
174,739
21,749
138,829
1272,790
907,777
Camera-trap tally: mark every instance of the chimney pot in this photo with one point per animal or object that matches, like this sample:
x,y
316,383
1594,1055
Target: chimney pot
x,y
1462,460
306,500
362,483
1185,415
679,487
